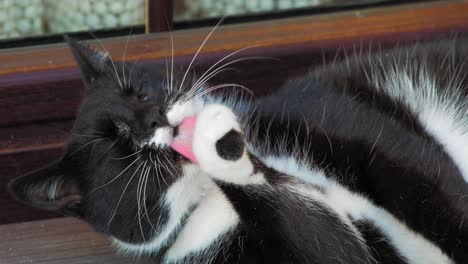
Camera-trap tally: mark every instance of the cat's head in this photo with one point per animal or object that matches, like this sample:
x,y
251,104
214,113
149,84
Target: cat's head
x,y
117,163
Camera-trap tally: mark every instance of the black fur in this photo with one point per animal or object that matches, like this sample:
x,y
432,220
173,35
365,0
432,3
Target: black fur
x,y
98,151
381,250
373,149
230,146
364,140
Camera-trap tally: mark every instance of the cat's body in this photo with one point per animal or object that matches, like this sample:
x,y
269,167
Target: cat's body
x,y
363,161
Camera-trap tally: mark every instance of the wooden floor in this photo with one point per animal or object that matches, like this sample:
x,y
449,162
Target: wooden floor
x,y
56,241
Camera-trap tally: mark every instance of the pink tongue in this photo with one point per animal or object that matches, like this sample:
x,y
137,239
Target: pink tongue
x,y
182,143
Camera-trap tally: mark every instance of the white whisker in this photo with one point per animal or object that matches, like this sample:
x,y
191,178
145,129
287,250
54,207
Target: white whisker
x,y
145,184
138,196
125,54
116,177
114,212
221,60
216,87
172,61
160,172
91,142
167,79
193,90
152,161
198,51
200,82
131,70
127,155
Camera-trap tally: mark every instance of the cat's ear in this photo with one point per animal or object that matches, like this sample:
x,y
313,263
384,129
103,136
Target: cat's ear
x,y
92,63
49,189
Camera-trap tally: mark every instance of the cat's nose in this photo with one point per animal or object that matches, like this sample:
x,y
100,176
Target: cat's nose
x,y
153,118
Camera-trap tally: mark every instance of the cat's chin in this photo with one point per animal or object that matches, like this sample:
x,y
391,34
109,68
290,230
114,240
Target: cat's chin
x,y
161,138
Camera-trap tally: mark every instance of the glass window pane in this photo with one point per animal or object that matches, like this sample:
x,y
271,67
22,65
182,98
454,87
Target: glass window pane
x,y
186,10
22,18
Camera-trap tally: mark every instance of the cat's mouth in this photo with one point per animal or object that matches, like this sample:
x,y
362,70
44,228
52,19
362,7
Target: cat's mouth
x,y
162,137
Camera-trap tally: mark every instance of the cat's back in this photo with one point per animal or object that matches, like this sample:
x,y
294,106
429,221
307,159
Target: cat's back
x,y
390,124
419,90
407,100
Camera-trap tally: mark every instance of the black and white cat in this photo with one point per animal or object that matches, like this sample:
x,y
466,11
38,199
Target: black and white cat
x,y
364,161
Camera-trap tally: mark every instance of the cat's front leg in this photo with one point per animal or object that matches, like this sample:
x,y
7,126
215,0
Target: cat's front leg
x,y
276,224
219,147
221,152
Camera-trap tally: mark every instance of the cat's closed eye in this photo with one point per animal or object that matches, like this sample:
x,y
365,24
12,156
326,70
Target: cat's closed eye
x,y
112,128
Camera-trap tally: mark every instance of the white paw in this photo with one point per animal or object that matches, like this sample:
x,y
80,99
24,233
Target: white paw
x,y
228,163
179,111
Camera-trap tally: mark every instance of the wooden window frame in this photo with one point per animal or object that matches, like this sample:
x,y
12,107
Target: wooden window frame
x,y
40,87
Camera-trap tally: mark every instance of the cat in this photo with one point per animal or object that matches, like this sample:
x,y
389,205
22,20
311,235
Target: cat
x,y
362,161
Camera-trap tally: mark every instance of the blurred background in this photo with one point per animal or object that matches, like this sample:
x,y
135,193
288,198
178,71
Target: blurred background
x,y
23,18
40,20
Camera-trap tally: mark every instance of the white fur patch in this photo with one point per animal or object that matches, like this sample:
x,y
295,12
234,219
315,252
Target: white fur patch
x,y
412,246
210,220
162,137
213,218
180,197
415,248
181,110
451,135
441,110
212,124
